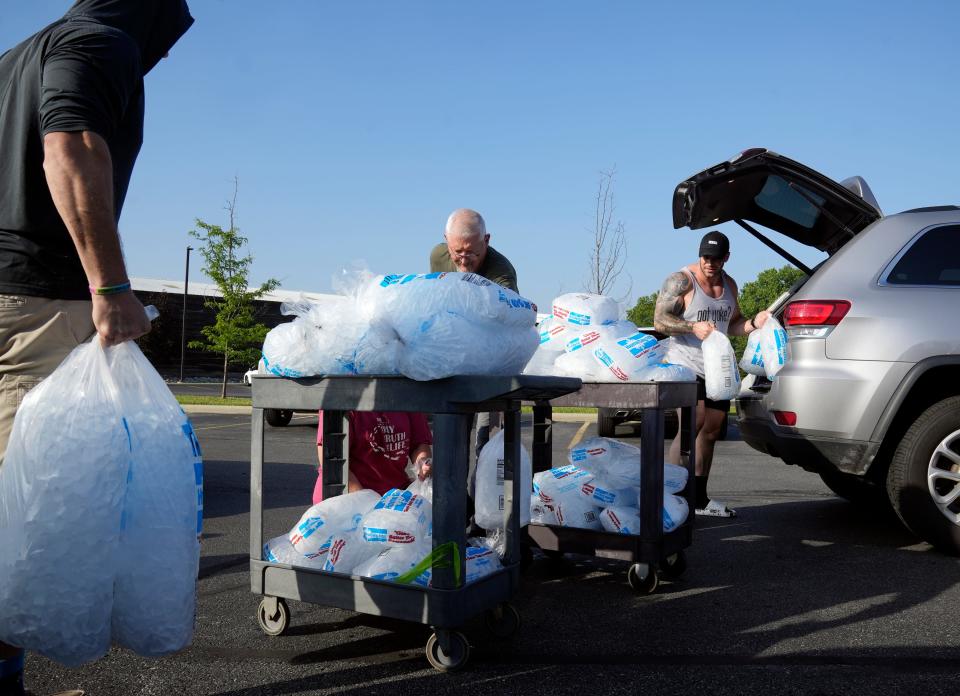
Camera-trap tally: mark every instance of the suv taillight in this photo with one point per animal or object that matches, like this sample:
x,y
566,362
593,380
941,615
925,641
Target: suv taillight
x,y
815,312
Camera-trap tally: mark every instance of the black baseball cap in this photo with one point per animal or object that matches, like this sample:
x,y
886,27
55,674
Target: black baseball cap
x,y
714,243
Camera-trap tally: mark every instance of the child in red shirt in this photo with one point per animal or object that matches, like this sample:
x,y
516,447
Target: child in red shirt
x,y
381,443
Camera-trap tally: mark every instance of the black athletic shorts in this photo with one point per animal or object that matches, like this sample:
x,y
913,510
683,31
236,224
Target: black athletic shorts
x,y
710,403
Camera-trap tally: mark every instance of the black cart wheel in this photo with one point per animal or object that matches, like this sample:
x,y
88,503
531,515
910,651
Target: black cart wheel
x,y
276,624
441,660
277,417
503,621
642,578
674,566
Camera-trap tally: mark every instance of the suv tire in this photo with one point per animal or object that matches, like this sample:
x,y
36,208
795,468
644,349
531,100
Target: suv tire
x,y
915,457
606,422
277,417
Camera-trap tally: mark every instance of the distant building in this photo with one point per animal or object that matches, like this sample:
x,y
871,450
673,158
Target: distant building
x,y
163,344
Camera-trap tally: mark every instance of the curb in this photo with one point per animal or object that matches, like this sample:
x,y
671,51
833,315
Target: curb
x,y
575,417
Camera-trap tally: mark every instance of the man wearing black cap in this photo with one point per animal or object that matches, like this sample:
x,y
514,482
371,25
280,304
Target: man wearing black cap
x,y
71,125
693,302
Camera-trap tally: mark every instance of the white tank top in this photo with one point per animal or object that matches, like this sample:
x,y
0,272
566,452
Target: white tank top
x,y
687,349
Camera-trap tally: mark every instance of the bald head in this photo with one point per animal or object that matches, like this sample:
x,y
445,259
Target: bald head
x,y
465,223
467,238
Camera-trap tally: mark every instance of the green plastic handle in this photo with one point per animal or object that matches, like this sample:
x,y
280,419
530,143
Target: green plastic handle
x,y
443,556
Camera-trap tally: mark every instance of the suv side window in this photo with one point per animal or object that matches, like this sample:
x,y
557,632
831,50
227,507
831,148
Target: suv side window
x,y
932,259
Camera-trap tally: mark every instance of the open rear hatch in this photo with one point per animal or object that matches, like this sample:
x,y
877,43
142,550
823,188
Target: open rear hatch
x,y
763,187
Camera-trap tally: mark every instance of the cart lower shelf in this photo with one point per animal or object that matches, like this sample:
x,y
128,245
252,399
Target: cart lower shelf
x,y
444,610
645,556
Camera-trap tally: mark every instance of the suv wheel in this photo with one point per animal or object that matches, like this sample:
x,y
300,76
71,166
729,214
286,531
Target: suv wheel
x,y
277,417
924,479
606,422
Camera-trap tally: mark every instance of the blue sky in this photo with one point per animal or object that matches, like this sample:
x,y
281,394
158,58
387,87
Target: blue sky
x,y
356,127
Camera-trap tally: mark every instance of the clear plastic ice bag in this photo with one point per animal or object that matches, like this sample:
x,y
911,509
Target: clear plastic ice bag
x,y
489,499
720,370
585,309
100,509
621,359
446,344
553,483
617,463
404,301
752,360
341,513
665,372
543,362
554,334
154,596
773,346
399,518
321,340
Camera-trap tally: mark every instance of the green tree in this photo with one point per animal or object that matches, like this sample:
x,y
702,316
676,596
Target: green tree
x,y
642,313
235,334
759,294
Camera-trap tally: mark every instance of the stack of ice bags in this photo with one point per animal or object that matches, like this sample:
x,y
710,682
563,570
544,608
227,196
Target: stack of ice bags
x,y
100,512
380,537
600,489
584,338
423,326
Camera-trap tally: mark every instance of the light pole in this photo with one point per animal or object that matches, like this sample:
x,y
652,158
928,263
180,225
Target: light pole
x,y
183,323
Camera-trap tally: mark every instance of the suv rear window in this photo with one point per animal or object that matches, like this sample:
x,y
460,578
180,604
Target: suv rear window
x,y
779,198
932,259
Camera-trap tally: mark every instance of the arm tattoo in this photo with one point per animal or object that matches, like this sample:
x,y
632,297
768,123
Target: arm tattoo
x,y
668,313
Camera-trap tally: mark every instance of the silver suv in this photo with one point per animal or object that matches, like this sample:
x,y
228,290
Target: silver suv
x,y
870,396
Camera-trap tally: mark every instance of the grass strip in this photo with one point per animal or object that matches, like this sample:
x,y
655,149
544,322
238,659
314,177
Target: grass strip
x,y
192,400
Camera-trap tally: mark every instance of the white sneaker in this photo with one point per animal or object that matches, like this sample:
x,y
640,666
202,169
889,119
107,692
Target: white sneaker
x,y
716,509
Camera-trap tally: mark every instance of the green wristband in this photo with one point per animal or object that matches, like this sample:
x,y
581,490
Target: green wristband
x,y
110,289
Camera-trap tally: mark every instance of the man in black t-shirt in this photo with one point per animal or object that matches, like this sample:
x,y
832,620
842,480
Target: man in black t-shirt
x,y
71,125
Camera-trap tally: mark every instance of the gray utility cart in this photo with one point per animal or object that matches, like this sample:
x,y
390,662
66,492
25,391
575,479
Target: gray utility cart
x,y
449,602
652,549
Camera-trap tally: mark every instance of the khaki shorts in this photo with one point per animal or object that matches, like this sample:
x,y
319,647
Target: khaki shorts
x,y
36,334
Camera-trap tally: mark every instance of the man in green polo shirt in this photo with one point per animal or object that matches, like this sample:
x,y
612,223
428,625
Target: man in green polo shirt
x,y
467,249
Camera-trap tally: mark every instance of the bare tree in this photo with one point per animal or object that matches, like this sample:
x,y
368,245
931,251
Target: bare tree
x,y
608,256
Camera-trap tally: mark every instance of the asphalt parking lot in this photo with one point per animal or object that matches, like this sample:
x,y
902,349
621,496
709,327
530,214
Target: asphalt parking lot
x,y
799,594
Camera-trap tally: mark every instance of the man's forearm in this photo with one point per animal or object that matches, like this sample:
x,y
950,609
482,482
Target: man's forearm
x,y
672,325
79,173
738,327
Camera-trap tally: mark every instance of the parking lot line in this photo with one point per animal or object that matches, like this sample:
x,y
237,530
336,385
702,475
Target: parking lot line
x,y
579,435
